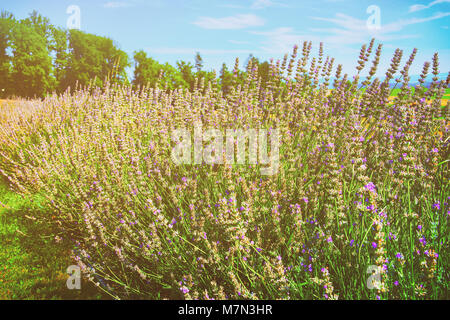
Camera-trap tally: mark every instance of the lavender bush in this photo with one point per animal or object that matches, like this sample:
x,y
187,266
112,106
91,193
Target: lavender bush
x,y
363,181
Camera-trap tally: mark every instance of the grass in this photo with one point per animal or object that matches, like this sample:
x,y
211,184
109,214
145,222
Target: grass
x,y
444,98
32,266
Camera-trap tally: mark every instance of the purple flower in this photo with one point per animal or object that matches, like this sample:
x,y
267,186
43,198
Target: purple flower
x,y
371,187
351,242
374,245
395,283
184,290
423,241
437,205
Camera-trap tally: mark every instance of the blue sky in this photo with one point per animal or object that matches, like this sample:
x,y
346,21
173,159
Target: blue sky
x,y
170,30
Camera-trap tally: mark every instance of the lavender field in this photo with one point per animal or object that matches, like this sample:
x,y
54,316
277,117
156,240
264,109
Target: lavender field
x,y
357,209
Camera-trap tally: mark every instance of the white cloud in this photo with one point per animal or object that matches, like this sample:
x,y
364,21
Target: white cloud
x,y
419,7
281,40
344,32
239,21
117,4
262,4
351,30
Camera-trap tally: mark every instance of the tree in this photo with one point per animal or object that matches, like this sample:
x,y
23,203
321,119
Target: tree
x,y
40,24
198,62
31,62
150,72
43,27
263,72
186,73
93,58
115,61
226,79
171,78
144,71
59,47
6,23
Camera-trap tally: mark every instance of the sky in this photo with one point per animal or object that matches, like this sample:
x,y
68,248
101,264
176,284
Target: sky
x,y
221,30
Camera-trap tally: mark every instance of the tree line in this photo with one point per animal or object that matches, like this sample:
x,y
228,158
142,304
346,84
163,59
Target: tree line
x,y
38,58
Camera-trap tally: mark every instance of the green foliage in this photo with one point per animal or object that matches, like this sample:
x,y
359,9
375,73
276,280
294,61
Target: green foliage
x,y
198,62
93,58
59,47
37,58
186,73
151,73
226,79
6,23
31,63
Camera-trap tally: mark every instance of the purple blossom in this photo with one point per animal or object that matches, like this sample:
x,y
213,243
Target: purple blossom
x,y
371,187
423,241
184,290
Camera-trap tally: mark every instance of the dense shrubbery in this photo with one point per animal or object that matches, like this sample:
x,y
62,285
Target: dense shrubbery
x,y
363,181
